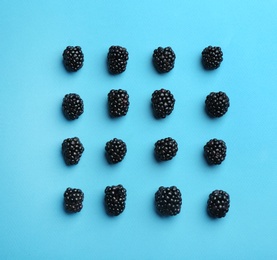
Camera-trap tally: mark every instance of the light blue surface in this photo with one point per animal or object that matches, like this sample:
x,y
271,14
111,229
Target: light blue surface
x,y
33,175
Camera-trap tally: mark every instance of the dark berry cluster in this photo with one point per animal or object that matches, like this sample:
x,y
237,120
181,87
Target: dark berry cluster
x,y
164,59
117,59
115,199
218,204
118,102
168,201
162,103
217,104
165,149
116,150
73,200
215,151
72,150
212,57
72,106
73,58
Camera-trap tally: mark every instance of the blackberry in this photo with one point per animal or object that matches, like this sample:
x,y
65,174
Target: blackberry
x,y
115,199
117,59
215,151
72,150
118,102
165,149
73,200
116,150
162,103
212,57
73,58
168,201
164,59
218,204
217,104
72,106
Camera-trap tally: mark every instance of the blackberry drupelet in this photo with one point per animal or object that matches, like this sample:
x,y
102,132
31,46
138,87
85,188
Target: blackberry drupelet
x,y
212,57
217,104
72,106
73,58
165,149
73,200
116,150
115,199
218,204
164,59
163,103
168,201
215,151
117,59
72,150
118,102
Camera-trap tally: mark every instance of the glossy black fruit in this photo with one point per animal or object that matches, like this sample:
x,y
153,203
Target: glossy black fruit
x,y
164,59
115,199
217,104
73,58
218,204
165,149
168,201
72,150
117,59
72,106
215,151
73,200
116,150
118,102
163,103
212,57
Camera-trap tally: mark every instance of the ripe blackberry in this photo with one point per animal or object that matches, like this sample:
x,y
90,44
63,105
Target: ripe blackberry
x,y
215,151
117,59
115,198
164,59
73,58
162,103
72,150
212,57
118,102
218,204
217,104
72,106
168,201
116,150
73,200
165,149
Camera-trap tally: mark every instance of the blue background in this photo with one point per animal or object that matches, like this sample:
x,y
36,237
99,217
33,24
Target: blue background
x,y
34,177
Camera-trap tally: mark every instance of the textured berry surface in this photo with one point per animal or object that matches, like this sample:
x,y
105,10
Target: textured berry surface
x,y
168,201
73,58
218,204
165,149
162,103
72,150
217,104
212,57
73,200
116,150
117,59
115,199
72,106
164,59
118,102
215,151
